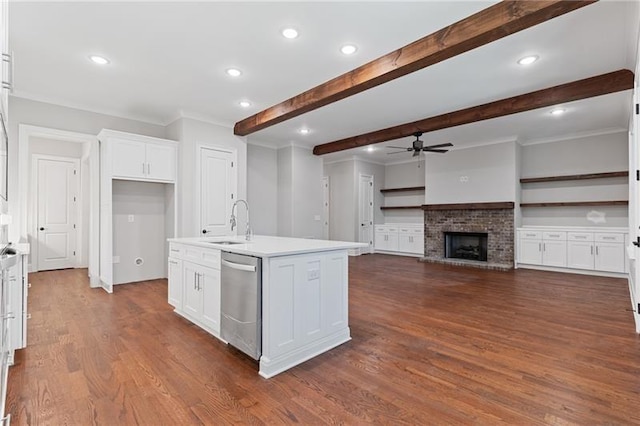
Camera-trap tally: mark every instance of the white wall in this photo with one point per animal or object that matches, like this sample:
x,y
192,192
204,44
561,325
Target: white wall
x,y
341,206
593,154
299,193
285,192
192,134
402,175
24,111
472,175
262,189
143,238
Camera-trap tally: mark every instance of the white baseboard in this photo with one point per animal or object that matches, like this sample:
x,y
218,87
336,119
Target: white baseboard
x,y
399,253
573,271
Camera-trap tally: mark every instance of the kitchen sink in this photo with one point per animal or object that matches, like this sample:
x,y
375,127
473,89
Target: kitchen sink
x,y
226,243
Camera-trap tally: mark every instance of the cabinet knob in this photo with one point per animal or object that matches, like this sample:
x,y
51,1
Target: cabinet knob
x,y
204,231
41,228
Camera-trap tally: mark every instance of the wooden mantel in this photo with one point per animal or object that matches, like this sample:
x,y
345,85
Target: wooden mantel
x,y
471,206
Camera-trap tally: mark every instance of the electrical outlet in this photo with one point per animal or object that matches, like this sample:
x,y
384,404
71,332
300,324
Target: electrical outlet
x,y
131,218
313,274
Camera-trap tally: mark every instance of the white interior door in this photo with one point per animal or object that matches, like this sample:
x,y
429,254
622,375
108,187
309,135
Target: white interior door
x,y
217,189
57,194
365,198
325,207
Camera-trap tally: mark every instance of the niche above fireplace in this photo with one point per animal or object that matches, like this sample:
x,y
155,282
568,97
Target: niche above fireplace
x,y
466,245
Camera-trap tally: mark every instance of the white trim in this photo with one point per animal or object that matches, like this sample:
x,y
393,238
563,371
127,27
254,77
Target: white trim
x,y
25,132
262,144
81,107
34,214
199,117
572,270
571,136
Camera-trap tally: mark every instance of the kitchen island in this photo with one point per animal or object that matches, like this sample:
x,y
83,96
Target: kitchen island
x,y
304,293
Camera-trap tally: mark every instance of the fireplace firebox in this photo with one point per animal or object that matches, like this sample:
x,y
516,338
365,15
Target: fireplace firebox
x,y
466,245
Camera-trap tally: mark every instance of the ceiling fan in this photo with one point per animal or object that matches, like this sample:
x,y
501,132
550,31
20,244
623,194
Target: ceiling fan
x,y
417,147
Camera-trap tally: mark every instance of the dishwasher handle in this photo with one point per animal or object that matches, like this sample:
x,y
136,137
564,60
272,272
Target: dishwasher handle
x,y
239,266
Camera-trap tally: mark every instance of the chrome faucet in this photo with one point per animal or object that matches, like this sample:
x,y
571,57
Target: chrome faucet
x,y
249,232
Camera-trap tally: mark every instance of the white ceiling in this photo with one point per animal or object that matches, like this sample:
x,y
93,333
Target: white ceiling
x,y
168,59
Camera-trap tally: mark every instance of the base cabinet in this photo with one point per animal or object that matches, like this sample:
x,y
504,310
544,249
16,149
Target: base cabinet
x,y
579,249
407,238
194,285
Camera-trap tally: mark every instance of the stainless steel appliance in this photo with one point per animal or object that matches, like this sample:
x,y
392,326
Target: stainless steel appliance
x,y
241,294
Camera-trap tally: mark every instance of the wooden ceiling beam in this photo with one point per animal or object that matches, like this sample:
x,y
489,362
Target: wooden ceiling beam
x,y
493,23
616,81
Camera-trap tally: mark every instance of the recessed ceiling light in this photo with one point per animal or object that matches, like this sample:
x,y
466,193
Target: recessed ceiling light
x,y
234,72
290,33
557,111
304,131
370,149
528,60
348,49
99,60
244,104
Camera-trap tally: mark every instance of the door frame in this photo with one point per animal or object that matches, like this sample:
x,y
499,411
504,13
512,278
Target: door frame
x,y
360,212
34,194
326,206
198,175
19,208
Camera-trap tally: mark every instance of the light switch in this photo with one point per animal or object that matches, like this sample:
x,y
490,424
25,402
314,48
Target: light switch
x,y
130,218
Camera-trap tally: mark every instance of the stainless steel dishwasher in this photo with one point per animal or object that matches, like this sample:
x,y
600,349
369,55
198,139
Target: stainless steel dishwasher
x,y
241,294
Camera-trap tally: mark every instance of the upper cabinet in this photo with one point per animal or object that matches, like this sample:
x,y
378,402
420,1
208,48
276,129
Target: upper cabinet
x,y
136,157
6,68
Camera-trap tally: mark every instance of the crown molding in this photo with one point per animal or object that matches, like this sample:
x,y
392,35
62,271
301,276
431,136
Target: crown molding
x,y
577,135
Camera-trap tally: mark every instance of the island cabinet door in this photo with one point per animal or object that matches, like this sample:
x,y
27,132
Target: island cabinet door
x,y
209,280
334,293
192,298
305,300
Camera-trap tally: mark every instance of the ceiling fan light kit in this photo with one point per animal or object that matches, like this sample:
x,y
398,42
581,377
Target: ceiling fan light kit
x,y
418,147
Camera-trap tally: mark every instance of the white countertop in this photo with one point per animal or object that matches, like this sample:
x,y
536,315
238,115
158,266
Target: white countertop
x,y
265,246
576,228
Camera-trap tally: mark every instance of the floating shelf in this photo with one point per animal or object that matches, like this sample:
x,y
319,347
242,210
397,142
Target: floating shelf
x,y
400,207
410,188
577,204
575,177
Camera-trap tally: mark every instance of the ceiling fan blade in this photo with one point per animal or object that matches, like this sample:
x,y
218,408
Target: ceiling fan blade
x,y
416,153
441,151
441,145
397,147
397,152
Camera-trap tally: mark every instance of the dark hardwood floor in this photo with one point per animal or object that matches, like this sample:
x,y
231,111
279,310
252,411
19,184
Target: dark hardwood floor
x,y
432,344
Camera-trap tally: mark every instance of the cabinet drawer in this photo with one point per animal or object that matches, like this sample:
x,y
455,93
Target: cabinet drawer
x,y
580,236
203,256
531,235
391,229
417,231
554,235
609,237
380,228
176,250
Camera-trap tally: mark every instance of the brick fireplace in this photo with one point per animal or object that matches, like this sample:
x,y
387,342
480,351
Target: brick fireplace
x,y
496,220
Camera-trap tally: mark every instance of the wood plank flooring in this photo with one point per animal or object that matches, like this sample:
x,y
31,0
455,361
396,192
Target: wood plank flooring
x,y
432,344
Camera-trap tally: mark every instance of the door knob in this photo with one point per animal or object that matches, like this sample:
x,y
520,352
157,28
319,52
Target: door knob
x,y
42,229
204,231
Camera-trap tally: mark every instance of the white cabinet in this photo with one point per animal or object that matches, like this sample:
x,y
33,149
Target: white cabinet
x,y
194,285
411,240
175,282
6,62
386,238
404,238
143,160
542,248
17,303
584,249
126,156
